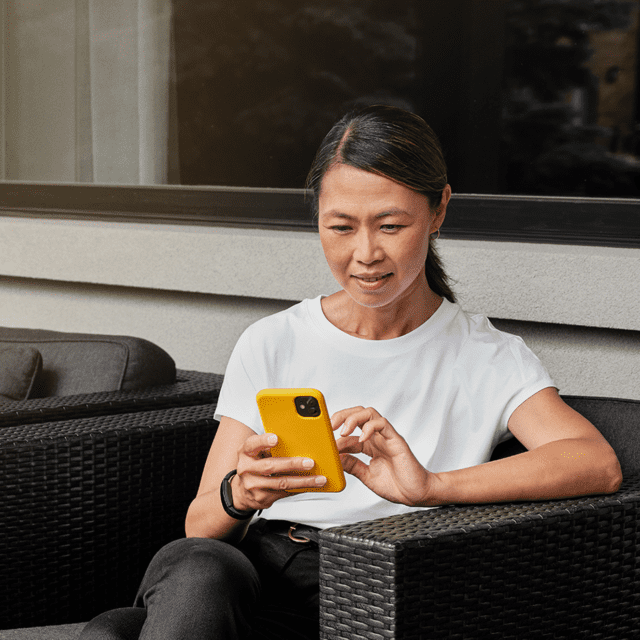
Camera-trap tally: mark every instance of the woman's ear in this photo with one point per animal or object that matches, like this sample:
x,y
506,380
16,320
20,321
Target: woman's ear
x,y
444,201
441,210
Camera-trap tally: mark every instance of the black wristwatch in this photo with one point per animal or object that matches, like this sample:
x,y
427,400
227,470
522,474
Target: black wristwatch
x,y
226,496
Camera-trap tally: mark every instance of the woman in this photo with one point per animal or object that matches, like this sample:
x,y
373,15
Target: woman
x,y
422,393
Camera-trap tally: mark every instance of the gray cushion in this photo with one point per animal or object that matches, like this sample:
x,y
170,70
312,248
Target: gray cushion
x,y
19,367
75,363
60,632
618,421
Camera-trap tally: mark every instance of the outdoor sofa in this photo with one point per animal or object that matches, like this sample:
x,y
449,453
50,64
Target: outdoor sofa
x,y
94,497
101,441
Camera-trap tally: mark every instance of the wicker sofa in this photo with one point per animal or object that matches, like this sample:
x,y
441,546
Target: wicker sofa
x,y
88,423
553,569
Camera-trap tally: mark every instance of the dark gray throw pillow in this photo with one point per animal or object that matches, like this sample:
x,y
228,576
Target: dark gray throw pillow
x,y
19,367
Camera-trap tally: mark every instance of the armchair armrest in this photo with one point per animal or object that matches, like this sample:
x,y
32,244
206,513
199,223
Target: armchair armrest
x,y
548,569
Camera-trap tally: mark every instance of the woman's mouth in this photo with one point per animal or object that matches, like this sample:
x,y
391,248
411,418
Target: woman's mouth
x,y
372,278
372,282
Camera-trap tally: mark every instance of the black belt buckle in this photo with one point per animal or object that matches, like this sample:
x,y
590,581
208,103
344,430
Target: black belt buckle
x,y
301,539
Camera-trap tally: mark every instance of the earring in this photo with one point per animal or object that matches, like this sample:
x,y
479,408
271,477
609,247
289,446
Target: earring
x,y
437,237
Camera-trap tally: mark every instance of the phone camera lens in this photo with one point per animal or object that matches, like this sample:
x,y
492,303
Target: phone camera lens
x,y
307,406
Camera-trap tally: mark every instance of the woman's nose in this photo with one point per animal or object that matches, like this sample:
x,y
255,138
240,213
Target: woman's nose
x,y
367,250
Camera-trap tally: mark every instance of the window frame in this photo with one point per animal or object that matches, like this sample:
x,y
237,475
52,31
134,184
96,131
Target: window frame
x,y
613,222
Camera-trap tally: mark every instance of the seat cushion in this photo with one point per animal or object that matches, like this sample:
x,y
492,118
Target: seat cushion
x,y
19,367
75,363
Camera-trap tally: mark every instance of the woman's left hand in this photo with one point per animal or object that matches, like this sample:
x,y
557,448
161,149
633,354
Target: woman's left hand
x,y
393,472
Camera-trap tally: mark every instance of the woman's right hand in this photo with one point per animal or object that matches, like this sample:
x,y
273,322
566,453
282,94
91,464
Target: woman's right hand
x,y
261,479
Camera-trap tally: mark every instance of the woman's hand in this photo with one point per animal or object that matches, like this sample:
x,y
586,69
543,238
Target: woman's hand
x,y
393,473
262,479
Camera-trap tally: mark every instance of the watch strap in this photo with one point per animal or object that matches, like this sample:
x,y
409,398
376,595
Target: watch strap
x,y
226,497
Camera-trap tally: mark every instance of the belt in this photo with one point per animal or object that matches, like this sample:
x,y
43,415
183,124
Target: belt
x,y
300,533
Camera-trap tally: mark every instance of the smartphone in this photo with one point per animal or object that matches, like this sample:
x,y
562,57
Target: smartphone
x,y
300,419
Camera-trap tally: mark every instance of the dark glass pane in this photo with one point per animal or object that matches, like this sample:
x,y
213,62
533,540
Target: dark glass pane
x,y
260,83
527,96
570,119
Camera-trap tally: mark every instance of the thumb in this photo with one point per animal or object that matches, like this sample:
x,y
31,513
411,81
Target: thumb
x,y
354,467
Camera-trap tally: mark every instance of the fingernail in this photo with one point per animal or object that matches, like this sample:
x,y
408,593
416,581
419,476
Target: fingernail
x,y
343,431
321,480
307,463
273,439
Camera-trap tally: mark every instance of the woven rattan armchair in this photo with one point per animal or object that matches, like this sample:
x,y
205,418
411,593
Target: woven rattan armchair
x,y
562,569
555,569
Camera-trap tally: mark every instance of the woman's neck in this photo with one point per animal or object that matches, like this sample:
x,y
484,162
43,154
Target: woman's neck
x,y
380,323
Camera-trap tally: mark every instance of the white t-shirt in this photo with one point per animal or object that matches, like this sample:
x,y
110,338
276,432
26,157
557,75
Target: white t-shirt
x,y
448,387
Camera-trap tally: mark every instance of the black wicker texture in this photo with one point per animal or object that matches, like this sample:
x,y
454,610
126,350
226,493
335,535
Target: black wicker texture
x,y
85,505
190,388
556,569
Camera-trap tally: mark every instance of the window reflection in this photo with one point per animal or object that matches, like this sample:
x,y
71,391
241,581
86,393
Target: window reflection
x,y
570,102
86,93
527,96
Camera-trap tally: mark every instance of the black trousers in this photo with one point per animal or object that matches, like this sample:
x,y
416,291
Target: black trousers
x,y
266,588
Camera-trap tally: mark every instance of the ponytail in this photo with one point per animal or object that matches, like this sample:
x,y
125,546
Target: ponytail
x,y
436,277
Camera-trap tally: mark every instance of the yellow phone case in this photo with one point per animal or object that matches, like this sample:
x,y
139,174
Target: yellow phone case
x,y
301,435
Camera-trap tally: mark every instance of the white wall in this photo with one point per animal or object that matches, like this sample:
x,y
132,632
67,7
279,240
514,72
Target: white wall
x,y
192,290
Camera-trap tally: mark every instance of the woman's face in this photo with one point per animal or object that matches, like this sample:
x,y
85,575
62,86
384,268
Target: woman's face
x,y
375,234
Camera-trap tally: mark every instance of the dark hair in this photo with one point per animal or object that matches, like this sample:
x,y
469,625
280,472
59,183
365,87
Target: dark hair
x,y
396,144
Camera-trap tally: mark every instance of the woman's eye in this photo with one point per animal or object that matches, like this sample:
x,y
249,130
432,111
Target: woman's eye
x,y
391,227
341,228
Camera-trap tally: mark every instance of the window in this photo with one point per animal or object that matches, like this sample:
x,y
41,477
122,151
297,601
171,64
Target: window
x,y
209,111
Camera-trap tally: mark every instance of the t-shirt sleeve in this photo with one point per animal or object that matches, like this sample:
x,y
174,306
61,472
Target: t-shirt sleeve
x,y
499,372
238,393
528,376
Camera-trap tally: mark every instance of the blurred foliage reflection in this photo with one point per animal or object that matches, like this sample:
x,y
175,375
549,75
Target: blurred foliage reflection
x,y
528,96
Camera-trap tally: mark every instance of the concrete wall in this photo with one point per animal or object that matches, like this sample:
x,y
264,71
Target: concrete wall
x,y
193,290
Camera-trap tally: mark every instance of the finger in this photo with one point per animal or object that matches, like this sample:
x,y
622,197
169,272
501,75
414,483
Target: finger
x,y
357,417
354,467
338,418
289,482
350,444
260,492
284,466
259,444
263,487
378,426
271,466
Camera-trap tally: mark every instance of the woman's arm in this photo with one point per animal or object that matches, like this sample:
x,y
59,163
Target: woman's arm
x,y
206,518
566,456
260,481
